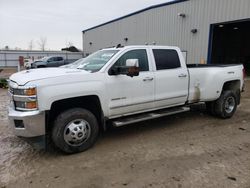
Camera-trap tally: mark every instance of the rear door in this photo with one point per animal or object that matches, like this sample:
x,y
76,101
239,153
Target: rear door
x,y
59,61
171,78
51,62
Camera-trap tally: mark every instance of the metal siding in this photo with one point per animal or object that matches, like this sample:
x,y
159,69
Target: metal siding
x,y
163,26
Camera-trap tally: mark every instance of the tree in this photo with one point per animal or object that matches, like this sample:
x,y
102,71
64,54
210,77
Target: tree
x,y
71,49
31,45
42,43
69,44
17,48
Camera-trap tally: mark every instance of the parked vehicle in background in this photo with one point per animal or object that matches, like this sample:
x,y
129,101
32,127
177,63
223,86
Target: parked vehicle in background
x,y
27,63
117,86
51,61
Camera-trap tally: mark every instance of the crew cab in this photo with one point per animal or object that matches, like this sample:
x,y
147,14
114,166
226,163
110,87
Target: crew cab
x,y
116,86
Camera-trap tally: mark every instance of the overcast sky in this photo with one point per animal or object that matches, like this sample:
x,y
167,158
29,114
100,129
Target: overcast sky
x,y
60,21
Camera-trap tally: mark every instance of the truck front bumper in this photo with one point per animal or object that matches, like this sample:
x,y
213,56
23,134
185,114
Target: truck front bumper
x,y
27,124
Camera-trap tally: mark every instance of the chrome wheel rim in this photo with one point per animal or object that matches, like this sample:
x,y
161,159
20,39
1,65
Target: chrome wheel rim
x,y
77,132
229,104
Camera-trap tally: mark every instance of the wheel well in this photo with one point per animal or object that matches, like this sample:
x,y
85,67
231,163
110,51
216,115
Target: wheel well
x,y
233,86
91,103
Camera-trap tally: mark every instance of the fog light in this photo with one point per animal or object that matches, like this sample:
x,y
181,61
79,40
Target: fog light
x,y
19,123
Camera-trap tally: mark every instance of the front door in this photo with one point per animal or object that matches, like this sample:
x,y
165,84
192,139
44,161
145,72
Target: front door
x,y
131,94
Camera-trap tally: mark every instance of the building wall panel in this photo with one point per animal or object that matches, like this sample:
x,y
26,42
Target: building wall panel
x,y
163,26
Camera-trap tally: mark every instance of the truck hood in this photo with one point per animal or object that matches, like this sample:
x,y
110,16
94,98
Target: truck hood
x,y
23,77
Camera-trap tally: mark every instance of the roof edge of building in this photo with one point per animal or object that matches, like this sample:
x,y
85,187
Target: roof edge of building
x,y
137,12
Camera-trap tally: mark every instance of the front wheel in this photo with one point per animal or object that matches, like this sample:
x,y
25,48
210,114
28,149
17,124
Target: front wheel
x,y
75,130
226,105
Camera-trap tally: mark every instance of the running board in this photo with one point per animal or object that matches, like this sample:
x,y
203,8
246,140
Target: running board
x,y
147,116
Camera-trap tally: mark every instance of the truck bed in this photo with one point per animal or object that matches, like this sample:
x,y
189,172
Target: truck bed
x,y
206,80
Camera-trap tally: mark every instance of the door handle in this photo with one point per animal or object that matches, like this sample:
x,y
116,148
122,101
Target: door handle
x,y
182,76
148,79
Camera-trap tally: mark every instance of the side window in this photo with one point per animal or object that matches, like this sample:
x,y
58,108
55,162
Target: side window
x,y
51,59
166,59
141,55
59,58
56,58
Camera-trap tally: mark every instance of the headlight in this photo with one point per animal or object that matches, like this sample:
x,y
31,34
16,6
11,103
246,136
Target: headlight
x,y
24,106
25,91
24,98
33,65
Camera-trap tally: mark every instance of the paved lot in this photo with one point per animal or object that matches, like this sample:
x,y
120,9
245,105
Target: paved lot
x,y
187,150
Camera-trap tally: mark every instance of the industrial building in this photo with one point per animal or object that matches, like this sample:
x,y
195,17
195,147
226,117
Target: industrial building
x,y
207,31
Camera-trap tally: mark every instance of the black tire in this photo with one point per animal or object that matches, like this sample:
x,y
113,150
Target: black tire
x,y
221,109
61,127
210,107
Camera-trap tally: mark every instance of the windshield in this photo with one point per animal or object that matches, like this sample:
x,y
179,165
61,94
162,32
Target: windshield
x,y
97,60
74,65
43,59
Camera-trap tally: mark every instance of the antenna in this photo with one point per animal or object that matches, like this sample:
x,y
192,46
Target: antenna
x,y
119,46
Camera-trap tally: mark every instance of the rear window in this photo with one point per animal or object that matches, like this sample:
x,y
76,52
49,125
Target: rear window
x,y
166,59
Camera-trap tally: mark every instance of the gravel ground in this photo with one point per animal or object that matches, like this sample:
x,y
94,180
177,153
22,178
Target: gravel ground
x,y
191,149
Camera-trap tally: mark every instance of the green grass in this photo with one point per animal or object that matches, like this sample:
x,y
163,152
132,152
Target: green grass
x,y
3,83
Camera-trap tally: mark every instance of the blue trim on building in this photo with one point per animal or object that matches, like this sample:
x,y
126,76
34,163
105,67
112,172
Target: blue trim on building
x,y
232,21
210,44
137,12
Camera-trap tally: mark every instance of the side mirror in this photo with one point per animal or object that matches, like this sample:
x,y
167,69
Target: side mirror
x,y
132,66
132,63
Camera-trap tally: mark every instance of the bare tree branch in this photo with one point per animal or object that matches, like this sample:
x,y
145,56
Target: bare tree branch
x,y
69,43
31,45
42,43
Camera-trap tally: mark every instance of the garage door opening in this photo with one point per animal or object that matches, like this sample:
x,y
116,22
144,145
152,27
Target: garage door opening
x,y
230,44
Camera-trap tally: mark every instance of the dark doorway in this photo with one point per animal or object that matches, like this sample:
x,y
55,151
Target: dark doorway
x,y
230,44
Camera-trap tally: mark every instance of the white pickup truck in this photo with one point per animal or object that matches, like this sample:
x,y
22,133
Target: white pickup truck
x,y
116,86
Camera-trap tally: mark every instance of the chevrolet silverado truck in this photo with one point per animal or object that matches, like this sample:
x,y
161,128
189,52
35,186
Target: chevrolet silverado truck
x,y
116,86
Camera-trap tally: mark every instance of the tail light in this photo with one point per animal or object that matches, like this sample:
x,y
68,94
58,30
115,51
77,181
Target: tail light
x,y
244,73
244,77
